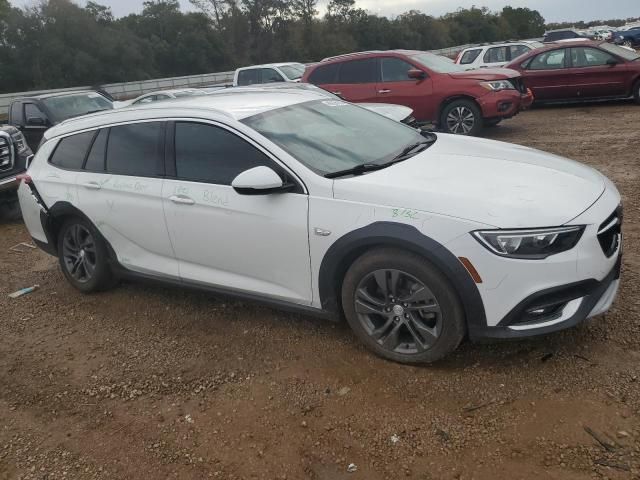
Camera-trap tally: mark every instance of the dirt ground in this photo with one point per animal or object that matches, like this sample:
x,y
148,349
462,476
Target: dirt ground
x,y
148,382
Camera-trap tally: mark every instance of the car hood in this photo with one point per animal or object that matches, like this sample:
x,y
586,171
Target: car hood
x,y
486,74
394,112
493,183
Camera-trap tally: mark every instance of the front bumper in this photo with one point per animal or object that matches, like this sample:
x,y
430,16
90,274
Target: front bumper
x,y
9,184
502,104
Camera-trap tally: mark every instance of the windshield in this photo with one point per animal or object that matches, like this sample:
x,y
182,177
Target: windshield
x,y
619,51
69,106
438,63
293,72
331,135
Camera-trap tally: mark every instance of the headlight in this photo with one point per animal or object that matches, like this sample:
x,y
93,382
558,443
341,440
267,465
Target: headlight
x,y
534,244
19,142
498,85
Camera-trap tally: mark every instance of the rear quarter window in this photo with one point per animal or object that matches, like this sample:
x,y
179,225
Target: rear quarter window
x,y
71,151
324,74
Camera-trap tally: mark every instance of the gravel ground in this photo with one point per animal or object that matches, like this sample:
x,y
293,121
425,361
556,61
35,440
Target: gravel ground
x,y
151,382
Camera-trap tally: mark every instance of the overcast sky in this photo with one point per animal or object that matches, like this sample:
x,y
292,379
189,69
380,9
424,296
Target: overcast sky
x,y
551,10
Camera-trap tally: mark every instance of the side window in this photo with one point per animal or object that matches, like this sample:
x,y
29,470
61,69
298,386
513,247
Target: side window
x,y
324,75
470,56
517,50
95,160
269,75
551,60
162,97
205,153
135,149
589,57
31,110
248,77
72,150
16,113
358,71
495,55
395,70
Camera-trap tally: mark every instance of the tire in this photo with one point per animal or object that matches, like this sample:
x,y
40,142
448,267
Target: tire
x,y
424,324
636,92
493,122
84,257
461,117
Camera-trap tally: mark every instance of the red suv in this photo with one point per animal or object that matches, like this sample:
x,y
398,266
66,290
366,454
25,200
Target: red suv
x,y
439,91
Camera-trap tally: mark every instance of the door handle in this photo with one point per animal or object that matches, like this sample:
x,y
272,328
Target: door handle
x,y
92,185
182,200
384,91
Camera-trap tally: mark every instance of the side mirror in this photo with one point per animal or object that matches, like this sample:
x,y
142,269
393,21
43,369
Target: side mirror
x,y
612,62
36,122
259,181
417,74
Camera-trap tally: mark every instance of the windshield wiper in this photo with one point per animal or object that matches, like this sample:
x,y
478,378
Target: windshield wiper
x,y
357,170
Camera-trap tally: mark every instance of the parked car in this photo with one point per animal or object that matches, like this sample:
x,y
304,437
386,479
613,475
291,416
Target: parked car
x,y
14,155
438,91
580,71
268,73
399,113
33,115
628,38
163,95
495,54
561,34
317,205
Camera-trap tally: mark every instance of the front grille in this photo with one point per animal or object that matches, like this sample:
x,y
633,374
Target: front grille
x,y
609,233
518,85
6,153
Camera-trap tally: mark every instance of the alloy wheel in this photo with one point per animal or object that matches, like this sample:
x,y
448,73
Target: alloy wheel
x,y
398,311
79,253
628,44
460,120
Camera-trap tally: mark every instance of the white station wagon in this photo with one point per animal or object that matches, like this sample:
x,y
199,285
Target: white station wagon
x,y
322,206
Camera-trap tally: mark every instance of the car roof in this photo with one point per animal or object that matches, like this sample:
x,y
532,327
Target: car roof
x,y
502,44
44,96
371,53
267,65
232,104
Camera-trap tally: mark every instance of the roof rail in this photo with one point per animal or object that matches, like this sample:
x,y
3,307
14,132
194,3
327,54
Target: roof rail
x,y
354,54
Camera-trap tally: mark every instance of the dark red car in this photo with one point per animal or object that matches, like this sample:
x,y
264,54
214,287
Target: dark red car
x,y
580,70
438,91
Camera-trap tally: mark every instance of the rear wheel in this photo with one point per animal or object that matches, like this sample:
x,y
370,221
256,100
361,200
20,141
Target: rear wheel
x,y
402,307
461,117
83,256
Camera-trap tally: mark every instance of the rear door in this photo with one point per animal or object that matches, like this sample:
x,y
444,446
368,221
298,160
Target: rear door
x,y
120,190
396,87
594,77
549,77
356,80
496,57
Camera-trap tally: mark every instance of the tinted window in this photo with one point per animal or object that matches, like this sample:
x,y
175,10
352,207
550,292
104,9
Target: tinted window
x,y
517,50
358,71
325,74
16,113
395,70
589,57
470,56
269,75
32,111
249,77
496,55
551,60
71,151
95,160
135,149
67,106
205,153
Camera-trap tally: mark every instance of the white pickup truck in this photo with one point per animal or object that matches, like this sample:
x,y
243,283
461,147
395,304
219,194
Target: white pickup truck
x,y
268,73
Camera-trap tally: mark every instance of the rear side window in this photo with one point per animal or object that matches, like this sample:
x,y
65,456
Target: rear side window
x,y
395,70
325,74
32,111
358,71
496,55
95,160
550,60
71,151
205,153
135,149
470,56
249,77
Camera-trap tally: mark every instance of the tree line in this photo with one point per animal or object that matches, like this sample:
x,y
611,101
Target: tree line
x,y
58,43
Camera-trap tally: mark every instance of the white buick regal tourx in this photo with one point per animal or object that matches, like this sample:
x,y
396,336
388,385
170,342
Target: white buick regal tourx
x,y
312,203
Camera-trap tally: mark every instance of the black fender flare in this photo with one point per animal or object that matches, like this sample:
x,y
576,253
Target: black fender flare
x,y
389,234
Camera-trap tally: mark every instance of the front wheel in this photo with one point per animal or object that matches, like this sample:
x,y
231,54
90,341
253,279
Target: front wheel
x,y
461,117
84,257
402,307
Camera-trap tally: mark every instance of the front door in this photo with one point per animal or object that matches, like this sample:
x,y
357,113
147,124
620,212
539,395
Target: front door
x,y
257,244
